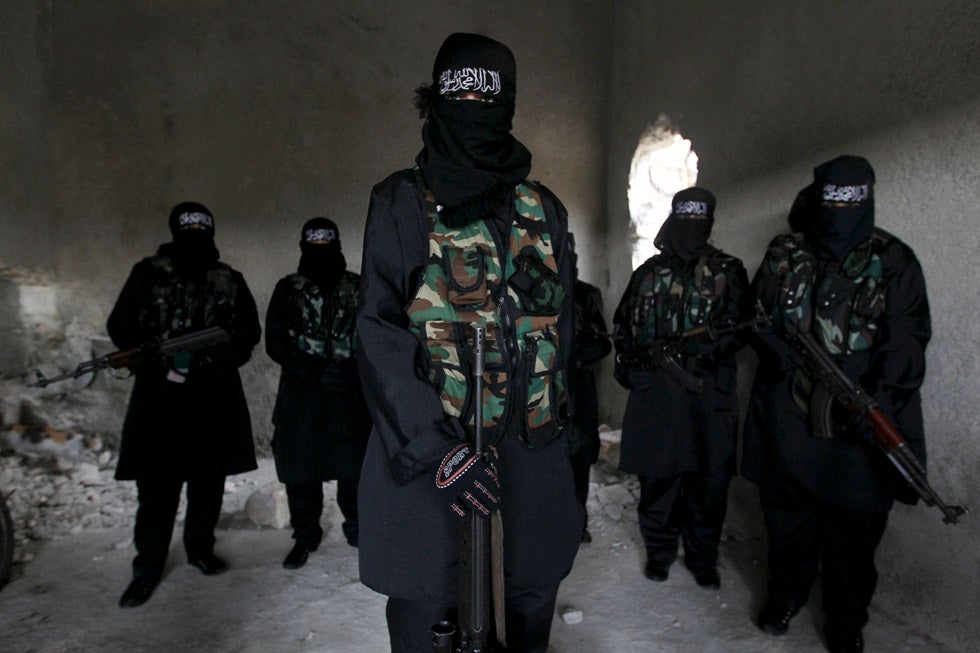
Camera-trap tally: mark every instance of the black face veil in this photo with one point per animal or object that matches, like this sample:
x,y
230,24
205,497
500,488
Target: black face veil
x,y
836,212
192,227
322,260
470,156
685,233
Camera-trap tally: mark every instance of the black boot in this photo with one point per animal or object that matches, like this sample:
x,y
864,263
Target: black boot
x,y
774,619
657,571
843,640
138,592
209,564
707,578
297,557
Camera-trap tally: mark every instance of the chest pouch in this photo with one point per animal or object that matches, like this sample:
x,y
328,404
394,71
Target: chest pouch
x,y
547,397
465,269
708,289
446,363
311,338
537,286
795,286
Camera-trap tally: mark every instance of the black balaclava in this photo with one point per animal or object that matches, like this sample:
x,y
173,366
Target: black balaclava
x,y
685,233
321,262
469,156
192,228
836,212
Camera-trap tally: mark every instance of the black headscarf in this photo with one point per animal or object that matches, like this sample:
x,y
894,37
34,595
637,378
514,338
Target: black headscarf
x,y
685,233
836,212
192,227
469,156
321,262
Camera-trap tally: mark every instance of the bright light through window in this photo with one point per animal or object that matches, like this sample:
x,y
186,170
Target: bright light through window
x,y
663,164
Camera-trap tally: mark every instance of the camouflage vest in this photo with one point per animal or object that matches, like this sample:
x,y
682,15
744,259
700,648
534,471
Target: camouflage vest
x,y
517,295
666,302
326,322
179,305
838,301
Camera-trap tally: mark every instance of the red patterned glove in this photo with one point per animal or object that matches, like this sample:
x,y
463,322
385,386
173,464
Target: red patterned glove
x,y
471,481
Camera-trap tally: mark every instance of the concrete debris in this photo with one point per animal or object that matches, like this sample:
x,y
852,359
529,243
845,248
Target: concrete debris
x,y
267,506
571,616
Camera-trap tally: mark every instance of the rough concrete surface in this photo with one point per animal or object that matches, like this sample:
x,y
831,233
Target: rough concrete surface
x,y
64,598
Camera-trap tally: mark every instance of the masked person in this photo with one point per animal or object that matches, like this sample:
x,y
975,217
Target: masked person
x,y
861,294
463,239
187,420
681,419
321,421
591,345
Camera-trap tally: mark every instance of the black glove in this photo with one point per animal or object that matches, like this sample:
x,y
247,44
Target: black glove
x,y
471,481
853,426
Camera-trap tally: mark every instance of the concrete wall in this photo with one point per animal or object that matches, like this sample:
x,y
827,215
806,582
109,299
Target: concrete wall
x,y
269,114
793,85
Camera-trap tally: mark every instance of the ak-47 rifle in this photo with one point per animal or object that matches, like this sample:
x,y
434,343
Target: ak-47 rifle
x,y
833,383
472,633
663,354
162,347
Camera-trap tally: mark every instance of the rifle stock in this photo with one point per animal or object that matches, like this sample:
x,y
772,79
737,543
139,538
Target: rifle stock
x,y
886,435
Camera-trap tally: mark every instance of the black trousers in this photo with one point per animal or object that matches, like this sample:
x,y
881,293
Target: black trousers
x,y
690,507
158,502
803,536
527,616
306,506
581,460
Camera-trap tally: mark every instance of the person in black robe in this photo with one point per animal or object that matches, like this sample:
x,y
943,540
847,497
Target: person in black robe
x,y
187,420
861,293
470,176
321,421
680,439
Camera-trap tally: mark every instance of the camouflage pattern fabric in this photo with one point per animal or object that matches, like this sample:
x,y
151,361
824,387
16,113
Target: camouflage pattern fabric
x,y
842,310
327,320
177,303
515,294
665,302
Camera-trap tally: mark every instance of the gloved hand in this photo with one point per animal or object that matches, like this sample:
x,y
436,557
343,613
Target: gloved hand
x,y
853,426
470,481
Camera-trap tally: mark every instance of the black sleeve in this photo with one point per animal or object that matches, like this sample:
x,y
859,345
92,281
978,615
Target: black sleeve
x,y
280,345
776,355
405,409
123,324
898,364
592,341
623,334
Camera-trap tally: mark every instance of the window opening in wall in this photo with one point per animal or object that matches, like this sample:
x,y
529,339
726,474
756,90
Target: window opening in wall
x,y
663,164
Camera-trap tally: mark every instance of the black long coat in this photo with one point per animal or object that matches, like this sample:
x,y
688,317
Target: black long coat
x,y
408,536
779,447
668,429
201,426
320,418
592,344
